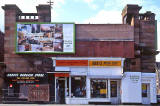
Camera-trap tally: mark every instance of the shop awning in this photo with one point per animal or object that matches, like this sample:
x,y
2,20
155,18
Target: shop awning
x,y
60,73
107,77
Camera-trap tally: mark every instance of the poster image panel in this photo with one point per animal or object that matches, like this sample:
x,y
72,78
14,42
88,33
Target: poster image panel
x,y
45,38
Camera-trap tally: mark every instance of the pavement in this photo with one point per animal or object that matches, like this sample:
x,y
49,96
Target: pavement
x,y
56,105
43,105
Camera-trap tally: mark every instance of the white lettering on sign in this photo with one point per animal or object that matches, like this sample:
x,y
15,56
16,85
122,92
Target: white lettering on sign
x,y
39,75
26,75
12,75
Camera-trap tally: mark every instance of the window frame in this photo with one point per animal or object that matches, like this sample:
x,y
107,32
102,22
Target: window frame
x,y
107,90
84,87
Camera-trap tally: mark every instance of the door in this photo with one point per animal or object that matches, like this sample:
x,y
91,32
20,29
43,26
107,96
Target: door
x,y
60,90
115,92
145,93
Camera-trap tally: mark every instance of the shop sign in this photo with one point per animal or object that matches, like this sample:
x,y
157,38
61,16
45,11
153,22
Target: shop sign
x,y
23,78
61,74
134,78
71,62
104,63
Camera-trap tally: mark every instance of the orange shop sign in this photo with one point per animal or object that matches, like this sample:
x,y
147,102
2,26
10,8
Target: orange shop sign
x,y
104,63
61,74
71,62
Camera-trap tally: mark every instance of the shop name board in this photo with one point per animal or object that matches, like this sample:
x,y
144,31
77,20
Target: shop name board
x,y
104,63
23,78
25,75
61,74
134,78
71,62
90,63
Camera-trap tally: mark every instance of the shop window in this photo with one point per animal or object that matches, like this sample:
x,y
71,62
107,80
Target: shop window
x,y
98,88
78,86
144,90
113,88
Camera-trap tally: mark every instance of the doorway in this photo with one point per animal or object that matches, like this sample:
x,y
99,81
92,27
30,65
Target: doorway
x,y
60,90
145,93
115,91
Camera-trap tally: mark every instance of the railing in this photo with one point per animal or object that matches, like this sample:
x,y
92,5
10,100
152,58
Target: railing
x,y
25,17
7,97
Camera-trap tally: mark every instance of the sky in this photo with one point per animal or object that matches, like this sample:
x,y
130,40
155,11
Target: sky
x,y
86,11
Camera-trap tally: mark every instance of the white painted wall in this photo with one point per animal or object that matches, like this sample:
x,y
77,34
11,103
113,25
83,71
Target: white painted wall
x,y
105,71
80,101
131,87
78,71
88,86
62,69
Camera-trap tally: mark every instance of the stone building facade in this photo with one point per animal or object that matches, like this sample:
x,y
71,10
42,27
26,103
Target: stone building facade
x,y
1,61
132,43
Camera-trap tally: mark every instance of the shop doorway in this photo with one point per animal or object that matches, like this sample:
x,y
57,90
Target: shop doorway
x,y
115,91
145,93
60,90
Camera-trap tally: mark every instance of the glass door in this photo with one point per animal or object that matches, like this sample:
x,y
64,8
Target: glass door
x,y
60,90
115,91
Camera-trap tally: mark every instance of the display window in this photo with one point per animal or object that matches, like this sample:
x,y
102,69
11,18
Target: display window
x,y
78,86
98,88
113,88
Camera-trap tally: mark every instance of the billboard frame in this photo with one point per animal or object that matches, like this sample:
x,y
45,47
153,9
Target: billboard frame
x,y
46,52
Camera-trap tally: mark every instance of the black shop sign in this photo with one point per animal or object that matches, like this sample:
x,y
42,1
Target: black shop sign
x,y
26,78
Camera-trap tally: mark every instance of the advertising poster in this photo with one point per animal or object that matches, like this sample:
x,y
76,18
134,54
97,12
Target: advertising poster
x,y
45,38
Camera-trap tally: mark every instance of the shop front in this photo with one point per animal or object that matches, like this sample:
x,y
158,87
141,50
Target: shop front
x,y
26,88
89,80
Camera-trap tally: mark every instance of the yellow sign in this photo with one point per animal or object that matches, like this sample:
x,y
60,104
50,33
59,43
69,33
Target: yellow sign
x,y
104,63
103,91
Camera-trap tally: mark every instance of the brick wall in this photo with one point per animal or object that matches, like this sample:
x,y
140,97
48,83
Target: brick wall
x,y
1,46
93,40
144,37
20,63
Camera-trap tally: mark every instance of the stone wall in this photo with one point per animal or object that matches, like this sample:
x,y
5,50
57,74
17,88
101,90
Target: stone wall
x,y
13,61
144,37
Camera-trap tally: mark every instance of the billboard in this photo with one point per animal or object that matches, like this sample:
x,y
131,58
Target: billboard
x,y
45,38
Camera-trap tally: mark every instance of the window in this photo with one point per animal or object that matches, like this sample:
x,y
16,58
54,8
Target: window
x,y
98,88
113,88
78,86
144,90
